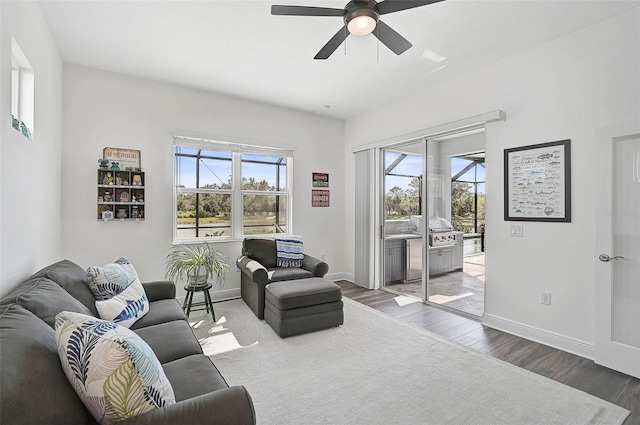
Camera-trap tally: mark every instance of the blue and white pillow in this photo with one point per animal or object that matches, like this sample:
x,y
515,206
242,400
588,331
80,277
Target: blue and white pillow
x,y
126,307
113,371
111,279
119,293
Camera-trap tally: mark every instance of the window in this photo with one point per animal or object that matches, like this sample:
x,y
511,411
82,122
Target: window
x,y
230,191
468,192
264,194
403,185
22,92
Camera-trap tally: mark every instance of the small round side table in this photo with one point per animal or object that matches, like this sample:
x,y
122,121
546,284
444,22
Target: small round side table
x,y
188,301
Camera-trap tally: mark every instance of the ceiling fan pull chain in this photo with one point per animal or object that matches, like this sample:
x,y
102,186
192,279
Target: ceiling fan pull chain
x,y
345,40
377,46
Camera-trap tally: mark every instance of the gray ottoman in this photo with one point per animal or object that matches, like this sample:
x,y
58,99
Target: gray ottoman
x,y
294,307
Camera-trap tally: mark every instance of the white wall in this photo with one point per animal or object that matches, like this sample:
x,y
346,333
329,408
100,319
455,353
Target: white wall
x,y
105,109
563,89
30,236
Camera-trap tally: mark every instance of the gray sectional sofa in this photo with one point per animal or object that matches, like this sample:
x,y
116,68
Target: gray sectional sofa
x,y
33,385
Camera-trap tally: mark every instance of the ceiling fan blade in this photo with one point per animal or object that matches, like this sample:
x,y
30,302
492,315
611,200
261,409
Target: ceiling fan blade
x,y
394,41
333,44
390,6
306,11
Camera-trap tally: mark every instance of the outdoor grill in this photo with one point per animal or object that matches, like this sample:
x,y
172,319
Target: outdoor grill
x,y
441,232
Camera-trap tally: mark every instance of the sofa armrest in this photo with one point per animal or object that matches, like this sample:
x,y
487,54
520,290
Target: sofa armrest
x,y
318,267
160,290
254,270
229,406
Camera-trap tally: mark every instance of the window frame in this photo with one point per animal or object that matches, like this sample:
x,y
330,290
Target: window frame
x,y
22,92
236,192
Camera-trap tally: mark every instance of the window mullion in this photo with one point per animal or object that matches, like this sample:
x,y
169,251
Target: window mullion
x,y
236,198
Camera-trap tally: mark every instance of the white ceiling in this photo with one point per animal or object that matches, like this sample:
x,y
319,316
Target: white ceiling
x,y
238,48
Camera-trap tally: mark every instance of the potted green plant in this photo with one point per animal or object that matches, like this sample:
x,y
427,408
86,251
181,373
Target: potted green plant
x,y
195,264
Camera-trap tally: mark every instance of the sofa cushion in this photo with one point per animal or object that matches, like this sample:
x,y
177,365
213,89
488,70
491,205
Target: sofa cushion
x,y
115,373
111,279
33,385
171,340
127,307
73,279
45,298
261,250
160,311
193,375
288,273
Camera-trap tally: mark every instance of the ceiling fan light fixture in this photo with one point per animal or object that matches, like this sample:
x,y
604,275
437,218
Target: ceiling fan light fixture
x,y
361,25
361,21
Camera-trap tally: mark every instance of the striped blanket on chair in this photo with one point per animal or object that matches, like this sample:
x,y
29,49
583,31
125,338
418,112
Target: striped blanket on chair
x,y
289,252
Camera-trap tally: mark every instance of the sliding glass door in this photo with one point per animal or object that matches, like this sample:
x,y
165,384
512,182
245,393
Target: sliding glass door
x,y
433,221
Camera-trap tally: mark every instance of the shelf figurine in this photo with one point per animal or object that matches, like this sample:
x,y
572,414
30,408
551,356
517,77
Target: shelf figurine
x,y
104,164
108,178
115,165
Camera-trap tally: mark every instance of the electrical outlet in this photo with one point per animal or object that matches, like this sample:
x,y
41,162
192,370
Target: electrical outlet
x,y
545,298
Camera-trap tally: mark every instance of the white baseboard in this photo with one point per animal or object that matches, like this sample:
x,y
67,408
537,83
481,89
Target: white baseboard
x,y
561,342
339,276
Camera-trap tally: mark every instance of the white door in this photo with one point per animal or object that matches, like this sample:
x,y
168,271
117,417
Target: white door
x,y
618,249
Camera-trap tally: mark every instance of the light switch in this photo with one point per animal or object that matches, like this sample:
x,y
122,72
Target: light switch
x,y
517,231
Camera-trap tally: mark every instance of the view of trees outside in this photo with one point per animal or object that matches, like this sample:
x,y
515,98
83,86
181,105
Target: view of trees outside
x,y
463,207
263,210
464,216
403,203
402,185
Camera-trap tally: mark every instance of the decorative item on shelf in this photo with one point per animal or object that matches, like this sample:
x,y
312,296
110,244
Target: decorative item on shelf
x,y
100,199
104,164
118,181
108,178
124,196
139,196
135,213
122,213
107,215
115,165
107,197
194,264
137,180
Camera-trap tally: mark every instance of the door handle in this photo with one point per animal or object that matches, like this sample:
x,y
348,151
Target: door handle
x,y
605,258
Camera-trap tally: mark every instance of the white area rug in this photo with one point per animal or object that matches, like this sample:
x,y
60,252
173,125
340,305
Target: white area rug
x,y
377,370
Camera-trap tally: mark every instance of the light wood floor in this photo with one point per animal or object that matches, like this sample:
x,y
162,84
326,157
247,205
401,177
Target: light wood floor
x,y
569,369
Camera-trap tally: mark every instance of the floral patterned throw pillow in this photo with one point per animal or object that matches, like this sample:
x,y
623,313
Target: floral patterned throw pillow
x,y
113,371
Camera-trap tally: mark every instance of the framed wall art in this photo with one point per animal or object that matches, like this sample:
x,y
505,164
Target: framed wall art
x,y
537,182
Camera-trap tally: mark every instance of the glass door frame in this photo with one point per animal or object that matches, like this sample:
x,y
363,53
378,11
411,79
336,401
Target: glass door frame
x,y
381,172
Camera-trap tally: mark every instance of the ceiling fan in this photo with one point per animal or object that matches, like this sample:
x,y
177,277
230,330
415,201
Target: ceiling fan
x,y
361,17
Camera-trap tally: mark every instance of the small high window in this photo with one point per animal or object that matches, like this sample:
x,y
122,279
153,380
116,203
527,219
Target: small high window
x,y
22,92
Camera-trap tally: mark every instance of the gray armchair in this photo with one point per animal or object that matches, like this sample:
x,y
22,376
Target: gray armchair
x,y
259,267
